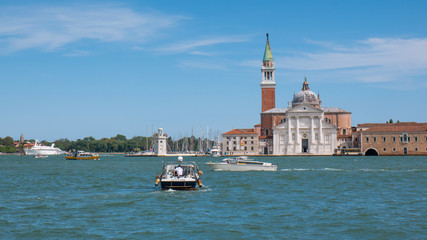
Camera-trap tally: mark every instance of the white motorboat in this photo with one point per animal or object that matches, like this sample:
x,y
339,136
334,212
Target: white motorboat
x,y
242,163
179,176
40,156
215,152
39,149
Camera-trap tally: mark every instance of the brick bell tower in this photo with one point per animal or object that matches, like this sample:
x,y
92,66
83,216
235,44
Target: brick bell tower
x,y
268,85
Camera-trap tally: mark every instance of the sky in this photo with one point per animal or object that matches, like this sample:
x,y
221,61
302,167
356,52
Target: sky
x,y
73,69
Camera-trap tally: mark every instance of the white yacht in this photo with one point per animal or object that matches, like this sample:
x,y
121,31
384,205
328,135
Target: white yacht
x,y
241,164
39,149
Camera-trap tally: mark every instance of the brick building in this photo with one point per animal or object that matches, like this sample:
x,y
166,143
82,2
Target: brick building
x,y
403,138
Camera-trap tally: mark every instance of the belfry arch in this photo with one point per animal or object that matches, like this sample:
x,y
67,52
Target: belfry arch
x,y
371,152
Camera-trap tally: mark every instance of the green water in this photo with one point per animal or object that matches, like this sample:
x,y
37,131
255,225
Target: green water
x,y
307,198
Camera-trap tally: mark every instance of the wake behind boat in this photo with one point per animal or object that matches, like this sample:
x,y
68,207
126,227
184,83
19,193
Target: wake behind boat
x,y
82,155
179,176
241,164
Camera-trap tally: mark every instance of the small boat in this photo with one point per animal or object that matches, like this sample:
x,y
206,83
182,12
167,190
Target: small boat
x,y
141,154
40,156
81,155
215,152
242,163
179,176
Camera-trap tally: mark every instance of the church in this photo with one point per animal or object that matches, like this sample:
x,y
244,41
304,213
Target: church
x,y
305,128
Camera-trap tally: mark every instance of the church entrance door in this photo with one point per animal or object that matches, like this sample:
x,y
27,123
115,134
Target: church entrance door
x,y
305,145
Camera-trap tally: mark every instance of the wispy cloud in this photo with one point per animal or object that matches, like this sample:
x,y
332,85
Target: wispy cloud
x,y
395,60
201,65
50,28
191,46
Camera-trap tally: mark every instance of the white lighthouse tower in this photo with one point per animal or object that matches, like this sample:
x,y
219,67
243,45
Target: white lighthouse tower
x,y
160,143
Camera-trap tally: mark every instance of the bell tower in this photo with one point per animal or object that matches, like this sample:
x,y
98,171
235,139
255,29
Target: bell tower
x,y
268,85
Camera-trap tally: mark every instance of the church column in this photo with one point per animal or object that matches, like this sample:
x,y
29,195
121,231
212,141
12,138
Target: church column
x,y
312,129
297,130
321,143
289,130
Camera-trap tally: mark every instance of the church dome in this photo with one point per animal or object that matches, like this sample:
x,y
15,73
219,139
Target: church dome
x,y
306,96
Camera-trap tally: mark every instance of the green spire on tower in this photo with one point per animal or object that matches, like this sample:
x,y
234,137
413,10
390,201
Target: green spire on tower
x,y
267,53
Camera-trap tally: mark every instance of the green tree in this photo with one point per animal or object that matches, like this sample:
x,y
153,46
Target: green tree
x,y
8,141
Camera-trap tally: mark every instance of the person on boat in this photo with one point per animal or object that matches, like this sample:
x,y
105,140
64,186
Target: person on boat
x,y
178,171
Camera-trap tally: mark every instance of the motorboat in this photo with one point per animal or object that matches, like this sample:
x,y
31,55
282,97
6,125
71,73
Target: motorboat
x,y
179,176
81,155
215,152
141,154
39,149
242,163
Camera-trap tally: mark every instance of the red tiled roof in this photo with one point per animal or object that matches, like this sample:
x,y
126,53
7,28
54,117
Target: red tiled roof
x,y
397,127
240,131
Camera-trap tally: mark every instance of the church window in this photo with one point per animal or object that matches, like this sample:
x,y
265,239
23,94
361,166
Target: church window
x,y
367,139
416,149
394,138
384,139
385,149
394,149
416,138
375,139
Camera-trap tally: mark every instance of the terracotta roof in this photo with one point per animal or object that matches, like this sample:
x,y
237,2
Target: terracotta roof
x,y
396,127
240,131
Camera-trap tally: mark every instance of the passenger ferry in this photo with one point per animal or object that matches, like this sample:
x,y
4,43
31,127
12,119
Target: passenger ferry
x,y
242,163
39,149
82,155
179,176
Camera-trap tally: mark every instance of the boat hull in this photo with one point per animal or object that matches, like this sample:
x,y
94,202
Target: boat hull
x,y
178,185
82,158
42,152
240,167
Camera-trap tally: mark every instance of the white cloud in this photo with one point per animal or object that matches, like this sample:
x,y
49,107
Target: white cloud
x,y
195,44
49,28
371,60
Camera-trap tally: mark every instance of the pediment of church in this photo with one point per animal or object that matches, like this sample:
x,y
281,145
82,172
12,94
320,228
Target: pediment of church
x,y
304,108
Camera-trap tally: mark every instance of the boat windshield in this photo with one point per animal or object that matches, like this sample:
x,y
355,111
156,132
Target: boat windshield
x,y
187,169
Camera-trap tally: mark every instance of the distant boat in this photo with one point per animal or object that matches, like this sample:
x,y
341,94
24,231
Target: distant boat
x,y
215,152
179,176
39,149
241,164
40,156
82,155
141,154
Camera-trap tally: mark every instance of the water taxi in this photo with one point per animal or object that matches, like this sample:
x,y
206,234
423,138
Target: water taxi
x,y
179,176
242,163
82,155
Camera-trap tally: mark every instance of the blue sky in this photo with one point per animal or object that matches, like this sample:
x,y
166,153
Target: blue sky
x,y
72,69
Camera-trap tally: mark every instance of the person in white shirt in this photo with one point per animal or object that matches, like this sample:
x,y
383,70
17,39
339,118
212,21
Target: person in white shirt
x,y
178,171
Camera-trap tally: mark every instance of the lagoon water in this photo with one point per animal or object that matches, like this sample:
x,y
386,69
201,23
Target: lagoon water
x,y
307,198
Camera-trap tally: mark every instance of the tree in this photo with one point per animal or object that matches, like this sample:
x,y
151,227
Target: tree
x,y
120,137
8,141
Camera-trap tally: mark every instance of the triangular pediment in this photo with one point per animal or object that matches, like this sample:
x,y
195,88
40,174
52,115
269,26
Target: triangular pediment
x,y
304,108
